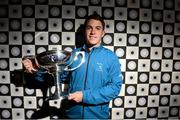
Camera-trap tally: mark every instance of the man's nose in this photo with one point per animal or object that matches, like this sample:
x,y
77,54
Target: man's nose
x,y
92,31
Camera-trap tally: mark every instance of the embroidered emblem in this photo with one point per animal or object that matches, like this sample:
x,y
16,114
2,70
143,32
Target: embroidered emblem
x,y
99,66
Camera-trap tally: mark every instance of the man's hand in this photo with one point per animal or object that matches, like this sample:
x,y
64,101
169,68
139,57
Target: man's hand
x,y
76,96
28,65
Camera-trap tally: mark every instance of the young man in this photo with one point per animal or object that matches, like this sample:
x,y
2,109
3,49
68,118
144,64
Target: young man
x,y
97,81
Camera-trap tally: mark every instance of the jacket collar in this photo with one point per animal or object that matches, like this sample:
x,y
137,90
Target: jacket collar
x,y
85,47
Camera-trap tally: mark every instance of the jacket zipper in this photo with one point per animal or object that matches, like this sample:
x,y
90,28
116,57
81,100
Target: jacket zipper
x,y
86,79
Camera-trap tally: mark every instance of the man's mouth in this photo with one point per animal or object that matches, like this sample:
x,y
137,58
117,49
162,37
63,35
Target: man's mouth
x,y
92,37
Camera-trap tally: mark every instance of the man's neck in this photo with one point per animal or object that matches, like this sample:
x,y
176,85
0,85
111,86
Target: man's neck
x,y
93,46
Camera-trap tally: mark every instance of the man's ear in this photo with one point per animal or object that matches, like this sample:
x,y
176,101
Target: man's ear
x,y
103,33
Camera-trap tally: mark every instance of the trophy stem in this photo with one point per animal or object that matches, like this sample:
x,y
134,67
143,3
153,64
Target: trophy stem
x,y
58,94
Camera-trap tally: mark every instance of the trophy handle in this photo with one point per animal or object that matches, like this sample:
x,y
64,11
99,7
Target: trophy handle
x,y
75,58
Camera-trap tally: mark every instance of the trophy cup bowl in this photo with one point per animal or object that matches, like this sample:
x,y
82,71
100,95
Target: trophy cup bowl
x,y
52,57
61,60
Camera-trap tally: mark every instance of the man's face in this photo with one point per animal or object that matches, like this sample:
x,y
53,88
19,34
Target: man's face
x,y
94,32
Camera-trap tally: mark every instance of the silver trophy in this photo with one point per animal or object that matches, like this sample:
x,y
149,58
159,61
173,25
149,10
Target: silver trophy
x,y
60,61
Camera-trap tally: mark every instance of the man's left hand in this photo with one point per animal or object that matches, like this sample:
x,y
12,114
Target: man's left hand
x,y
76,96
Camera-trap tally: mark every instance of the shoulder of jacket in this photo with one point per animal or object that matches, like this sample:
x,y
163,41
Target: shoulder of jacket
x,y
110,54
108,51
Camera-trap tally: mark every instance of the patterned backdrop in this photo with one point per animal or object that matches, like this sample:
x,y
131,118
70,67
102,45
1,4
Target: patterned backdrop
x,y
144,34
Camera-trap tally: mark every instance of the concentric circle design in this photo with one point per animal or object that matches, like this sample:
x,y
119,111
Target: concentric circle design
x,y
154,89
4,89
120,52
68,25
144,52
164,100
121,2
5,114
29,113
174,111
118,102
81,12
131,90
152,112
41,25
29,91
15,24
3,64
68,49
17,102
40,50
15,51
155,65
168,4
132,40
40,102
177,65
108,13
129,113
176,89
142,101
28,38
145,27
54,38
177,41
168,28
132,65
120,26
3,11
157,40
55,11
178,17
107,39
3,38
167,53
157,15
145,3
133,14
28,11
143,77
166,77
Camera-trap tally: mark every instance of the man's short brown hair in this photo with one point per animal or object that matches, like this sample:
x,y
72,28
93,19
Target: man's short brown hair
x,y
95,16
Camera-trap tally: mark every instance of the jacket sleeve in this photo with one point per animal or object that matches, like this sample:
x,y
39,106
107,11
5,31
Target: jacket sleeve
x,y
43,78
39,79
108,92
43,75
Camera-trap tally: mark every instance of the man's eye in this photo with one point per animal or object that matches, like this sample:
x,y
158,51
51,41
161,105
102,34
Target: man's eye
x,y
87,28
98,28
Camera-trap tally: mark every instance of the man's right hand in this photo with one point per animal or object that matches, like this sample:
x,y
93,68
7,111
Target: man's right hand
x,y
28,66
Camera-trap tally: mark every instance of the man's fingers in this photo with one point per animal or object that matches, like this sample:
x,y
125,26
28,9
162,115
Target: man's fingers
x,y
77,96
28,71
28,66
70,97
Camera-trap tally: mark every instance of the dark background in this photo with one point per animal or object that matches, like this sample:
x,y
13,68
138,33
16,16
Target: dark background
x,y
145,35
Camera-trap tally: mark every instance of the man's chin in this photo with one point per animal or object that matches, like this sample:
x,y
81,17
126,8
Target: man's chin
x,y
90,45
93,44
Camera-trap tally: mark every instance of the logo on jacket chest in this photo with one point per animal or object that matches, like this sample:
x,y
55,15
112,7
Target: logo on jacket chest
x,y
99,66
